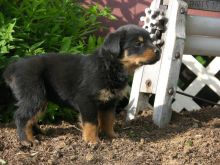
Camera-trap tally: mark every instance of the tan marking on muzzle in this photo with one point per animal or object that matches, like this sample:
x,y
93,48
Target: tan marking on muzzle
x,y
133,61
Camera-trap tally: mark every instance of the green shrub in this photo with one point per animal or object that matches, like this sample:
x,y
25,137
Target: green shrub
x,y
29,27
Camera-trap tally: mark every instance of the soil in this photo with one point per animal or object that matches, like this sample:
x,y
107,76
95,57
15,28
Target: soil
x,y
191,138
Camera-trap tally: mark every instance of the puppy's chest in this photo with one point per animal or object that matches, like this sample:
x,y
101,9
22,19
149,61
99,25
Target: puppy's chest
x,y
106,95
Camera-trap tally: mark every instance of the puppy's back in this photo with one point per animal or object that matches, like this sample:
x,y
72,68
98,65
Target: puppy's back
x,y
22,67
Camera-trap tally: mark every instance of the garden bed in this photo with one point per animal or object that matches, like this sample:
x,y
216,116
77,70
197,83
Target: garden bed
x,y
191,138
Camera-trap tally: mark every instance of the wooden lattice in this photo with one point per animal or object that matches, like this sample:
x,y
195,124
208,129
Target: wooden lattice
x,y
205,76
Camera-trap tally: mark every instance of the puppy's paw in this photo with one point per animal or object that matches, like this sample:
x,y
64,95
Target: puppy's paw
x,y
25,143
91,140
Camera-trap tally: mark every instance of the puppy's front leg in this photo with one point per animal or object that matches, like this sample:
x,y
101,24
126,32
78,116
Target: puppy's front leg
x,y
90,132
106,122
89,121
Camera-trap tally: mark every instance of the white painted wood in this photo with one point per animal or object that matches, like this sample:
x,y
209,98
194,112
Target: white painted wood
x,y
165,2
202,45
182,102
134,96
202,75
203,26
170,66
213,66
150,72
155,4
138,99
203,38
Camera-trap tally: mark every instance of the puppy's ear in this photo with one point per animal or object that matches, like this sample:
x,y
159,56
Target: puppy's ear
x,y
112,43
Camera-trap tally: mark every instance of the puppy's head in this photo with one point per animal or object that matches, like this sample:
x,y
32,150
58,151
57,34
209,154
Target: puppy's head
x,y
132,46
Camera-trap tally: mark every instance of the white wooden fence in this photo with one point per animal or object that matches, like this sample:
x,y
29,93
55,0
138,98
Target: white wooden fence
x,y
205,76
203,38
185,35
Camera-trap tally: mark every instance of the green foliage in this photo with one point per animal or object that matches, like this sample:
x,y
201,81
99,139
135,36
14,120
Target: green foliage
x,y
204,60
54,112
201,60
7,115
30,27
6,38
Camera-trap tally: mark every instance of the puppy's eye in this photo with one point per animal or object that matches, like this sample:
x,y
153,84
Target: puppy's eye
x,y
139,44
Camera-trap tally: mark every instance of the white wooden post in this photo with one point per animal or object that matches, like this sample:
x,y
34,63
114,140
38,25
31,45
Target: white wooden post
x,y
139,100
163,81
135,95
170,62
141,85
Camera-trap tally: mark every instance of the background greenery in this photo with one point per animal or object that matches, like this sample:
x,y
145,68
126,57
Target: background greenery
x,y
29,27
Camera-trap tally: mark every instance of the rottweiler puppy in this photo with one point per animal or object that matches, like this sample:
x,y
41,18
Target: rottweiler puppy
x,y
91,84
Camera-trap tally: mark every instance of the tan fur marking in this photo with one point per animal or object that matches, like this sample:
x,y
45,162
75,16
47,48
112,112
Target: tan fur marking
x,y
38,115
133,61
90,133
148,55
33,121
106,122
29,131
105,95
140,38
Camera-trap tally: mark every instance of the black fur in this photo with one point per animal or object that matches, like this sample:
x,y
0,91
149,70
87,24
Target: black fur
x,y
74,80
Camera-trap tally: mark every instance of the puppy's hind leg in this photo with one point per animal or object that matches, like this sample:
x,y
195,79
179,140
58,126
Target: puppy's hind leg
x,y
24,125
31,98
20,123
26,81
25,120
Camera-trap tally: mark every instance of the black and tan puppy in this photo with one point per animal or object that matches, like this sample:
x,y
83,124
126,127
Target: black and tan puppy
x,y
90,84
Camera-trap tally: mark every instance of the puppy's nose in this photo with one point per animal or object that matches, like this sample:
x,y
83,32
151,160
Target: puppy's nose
x,y
157,52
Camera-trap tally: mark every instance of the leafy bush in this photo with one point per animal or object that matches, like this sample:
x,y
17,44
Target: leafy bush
x,y
34,27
